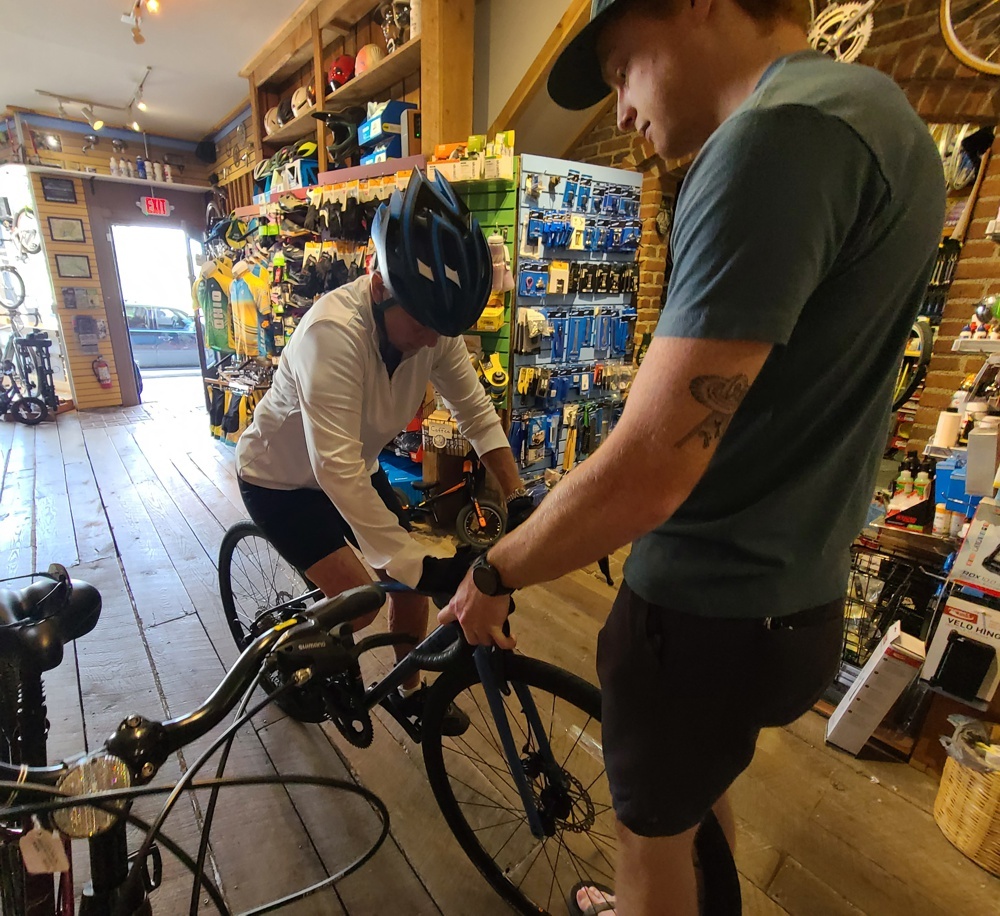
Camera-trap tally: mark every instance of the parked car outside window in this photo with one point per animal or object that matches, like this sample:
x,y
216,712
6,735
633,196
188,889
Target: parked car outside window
x,y
162,337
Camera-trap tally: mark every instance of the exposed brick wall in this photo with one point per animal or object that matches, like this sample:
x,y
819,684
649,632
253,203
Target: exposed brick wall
x,y
977,273
606,145
906,43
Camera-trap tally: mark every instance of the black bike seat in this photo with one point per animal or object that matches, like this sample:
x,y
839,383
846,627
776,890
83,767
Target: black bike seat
x,y
36,622
423,485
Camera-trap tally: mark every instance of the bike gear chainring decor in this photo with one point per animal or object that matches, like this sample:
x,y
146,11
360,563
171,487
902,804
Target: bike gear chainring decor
x,y
825,31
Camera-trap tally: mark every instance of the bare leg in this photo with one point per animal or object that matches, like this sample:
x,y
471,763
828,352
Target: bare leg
x,y
724,814
408,614
655,876
342,570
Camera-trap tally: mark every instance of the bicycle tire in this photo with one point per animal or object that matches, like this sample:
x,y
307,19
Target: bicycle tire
x,y
721,892
253,599
913,369
476,778
249,605
29,411
11,287
29,239
953,42
469,531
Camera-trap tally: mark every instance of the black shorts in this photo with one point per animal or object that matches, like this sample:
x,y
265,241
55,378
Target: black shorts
x,y
684,698
304,525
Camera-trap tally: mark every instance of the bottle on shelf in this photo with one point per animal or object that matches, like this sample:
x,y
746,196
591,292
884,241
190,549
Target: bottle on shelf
x,y
922,484
140,167
115,167
942,520
904,483
158,171
168,174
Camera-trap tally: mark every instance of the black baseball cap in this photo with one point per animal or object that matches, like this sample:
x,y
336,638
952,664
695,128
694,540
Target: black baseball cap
x,y
575,81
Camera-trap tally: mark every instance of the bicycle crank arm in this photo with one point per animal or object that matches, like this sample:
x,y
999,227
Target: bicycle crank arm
x,y
491,687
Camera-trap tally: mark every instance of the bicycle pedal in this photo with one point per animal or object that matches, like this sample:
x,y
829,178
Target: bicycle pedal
x,y
411,727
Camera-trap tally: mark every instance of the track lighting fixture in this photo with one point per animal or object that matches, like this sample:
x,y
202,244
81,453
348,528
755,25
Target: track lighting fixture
x,y
95,122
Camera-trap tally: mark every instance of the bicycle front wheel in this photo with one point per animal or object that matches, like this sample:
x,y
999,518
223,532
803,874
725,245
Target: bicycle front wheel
x,y
11,287
473,786
969,29
253,579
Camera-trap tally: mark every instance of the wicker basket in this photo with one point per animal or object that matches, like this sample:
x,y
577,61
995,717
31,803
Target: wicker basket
x,y
967,809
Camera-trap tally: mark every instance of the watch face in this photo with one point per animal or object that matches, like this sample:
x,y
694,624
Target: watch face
x,y
485,579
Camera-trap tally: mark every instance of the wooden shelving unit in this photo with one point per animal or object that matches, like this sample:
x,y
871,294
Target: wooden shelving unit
x,y
385,74
441,55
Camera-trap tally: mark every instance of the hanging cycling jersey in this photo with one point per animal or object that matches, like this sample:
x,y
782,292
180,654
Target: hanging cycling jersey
x,y
211,295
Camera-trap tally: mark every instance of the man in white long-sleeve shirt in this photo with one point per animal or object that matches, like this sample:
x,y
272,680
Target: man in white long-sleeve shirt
x,y
352,376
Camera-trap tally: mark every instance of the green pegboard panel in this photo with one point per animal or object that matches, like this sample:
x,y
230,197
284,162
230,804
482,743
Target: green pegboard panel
x,y
494,204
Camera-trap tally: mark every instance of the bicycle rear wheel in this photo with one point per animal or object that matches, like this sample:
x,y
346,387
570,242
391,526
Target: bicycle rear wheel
x,y
970,30
11,287
472,784
253,578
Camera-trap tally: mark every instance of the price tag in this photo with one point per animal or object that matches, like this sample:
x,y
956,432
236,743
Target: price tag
x,y
42,852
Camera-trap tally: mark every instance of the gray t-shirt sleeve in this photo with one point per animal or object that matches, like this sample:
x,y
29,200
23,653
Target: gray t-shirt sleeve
x,y
762,216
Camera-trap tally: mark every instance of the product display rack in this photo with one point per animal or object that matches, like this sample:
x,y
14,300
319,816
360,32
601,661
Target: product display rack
x,y
494,203
568,385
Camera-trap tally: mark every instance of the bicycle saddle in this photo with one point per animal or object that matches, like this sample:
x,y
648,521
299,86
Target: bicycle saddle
x,y
37,621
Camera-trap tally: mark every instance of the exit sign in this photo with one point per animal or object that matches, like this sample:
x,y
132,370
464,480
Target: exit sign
x,y
155,206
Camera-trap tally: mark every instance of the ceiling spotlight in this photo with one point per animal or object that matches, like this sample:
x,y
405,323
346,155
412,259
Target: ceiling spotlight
x,y
62,109
153,6
137,35
141,104
88,113
135,126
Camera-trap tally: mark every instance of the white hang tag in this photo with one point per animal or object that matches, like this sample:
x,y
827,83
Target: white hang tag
x,y
42,852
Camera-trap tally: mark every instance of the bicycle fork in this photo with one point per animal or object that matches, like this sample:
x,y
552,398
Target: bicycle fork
x,y
494,686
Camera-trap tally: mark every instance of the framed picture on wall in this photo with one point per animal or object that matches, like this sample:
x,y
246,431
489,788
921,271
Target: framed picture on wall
x,y
66,229
73,266
81,297
59,190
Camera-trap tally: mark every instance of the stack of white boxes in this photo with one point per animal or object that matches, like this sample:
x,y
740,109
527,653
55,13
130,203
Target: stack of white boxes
x,y
891,668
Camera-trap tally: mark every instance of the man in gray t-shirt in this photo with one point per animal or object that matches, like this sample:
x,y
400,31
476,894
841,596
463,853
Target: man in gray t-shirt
x,y
742,467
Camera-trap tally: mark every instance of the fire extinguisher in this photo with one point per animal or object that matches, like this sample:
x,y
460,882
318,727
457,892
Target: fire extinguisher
x,y
102,371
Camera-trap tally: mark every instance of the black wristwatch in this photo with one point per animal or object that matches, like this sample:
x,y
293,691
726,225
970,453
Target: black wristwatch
x,y
487,579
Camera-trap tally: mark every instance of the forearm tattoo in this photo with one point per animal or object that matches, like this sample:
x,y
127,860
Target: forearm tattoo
x,y
722,397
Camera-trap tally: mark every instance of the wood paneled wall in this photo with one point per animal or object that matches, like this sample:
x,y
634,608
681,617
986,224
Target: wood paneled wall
x,y
87,391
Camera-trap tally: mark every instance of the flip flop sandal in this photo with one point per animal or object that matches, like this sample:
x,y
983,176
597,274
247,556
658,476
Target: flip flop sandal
x,y
594,908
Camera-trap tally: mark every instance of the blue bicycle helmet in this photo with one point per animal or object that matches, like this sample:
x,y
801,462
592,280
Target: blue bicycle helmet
x,y
433,256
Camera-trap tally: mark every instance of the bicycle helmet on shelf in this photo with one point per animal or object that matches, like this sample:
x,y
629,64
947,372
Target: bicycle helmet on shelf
x,y
302,100
343,125
271,121
367,57
285,114
432,255
341,71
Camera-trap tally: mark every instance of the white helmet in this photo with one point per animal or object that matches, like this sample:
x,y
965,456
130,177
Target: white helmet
x,y
301,100
271,121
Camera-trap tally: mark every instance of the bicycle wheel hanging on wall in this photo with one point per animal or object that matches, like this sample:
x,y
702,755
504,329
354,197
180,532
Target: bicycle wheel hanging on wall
x,y
11,287
970,29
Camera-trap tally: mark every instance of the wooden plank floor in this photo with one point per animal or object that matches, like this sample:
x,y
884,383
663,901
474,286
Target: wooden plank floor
x,y
137,500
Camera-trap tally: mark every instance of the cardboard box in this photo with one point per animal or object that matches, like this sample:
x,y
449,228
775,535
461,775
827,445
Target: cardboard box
x,y
892,666
384,124
978,562
975,622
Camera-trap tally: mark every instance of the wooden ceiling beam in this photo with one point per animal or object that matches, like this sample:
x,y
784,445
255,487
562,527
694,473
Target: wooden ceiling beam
x,y
334,15
577,15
